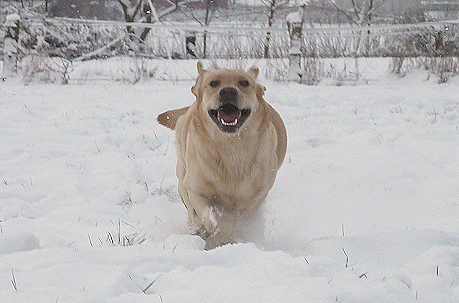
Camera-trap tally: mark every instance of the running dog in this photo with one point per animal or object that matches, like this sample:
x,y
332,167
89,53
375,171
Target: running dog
x,y
230,145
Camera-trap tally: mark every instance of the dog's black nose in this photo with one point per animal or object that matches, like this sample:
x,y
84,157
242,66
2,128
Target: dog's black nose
x,y
228,95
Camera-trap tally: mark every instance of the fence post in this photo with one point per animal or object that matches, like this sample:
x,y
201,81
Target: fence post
x,y
295,30
190,40
10,47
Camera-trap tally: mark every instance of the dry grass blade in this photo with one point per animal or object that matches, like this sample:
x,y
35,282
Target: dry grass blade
x,y
149,285
13,280
347,257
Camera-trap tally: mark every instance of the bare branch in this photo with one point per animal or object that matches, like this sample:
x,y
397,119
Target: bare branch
x,y
343,12
153,11
137,8
354,6
124,7
266,3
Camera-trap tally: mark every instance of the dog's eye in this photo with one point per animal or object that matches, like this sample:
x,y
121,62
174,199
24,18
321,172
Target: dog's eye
x,y
244,83
214,83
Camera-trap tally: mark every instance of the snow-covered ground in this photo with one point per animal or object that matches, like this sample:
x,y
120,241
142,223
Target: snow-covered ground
x,y
364,209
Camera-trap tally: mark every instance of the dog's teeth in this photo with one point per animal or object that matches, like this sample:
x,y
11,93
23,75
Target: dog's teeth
x,y
228,123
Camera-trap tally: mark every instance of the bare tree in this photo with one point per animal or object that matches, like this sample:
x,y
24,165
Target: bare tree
x,y
133,11
272,6
361,11
210,7
365,10
362,14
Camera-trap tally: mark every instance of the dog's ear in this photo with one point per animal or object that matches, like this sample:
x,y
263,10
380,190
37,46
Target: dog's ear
x,y
169,118
201,72
254,71
201,69
260,91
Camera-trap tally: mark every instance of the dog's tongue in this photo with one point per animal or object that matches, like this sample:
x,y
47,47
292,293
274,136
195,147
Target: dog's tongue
x,y
229,117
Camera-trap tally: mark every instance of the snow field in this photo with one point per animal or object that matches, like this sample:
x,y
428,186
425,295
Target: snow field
x,y
364,208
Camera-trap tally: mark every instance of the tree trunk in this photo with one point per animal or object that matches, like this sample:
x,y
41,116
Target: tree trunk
x,y
130,17
368,17
148,11
206,23
270,24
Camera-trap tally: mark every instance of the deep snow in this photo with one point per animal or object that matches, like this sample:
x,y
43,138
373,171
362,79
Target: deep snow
x,y
364,209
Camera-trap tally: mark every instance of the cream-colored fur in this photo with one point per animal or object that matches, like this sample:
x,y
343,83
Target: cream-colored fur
x,y
224,176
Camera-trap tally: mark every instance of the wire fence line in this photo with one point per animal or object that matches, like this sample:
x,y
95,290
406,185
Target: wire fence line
x,y
256,27
83,39
176,26
69,40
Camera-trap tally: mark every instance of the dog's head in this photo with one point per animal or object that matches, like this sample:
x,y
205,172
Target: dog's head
x,y
228,97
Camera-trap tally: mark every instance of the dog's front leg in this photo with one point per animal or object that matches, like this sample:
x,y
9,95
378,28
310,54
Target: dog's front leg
x,y
202,215
210,221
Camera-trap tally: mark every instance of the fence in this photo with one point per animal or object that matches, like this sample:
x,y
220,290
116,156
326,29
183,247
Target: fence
x,y
167,40
77,39
408,40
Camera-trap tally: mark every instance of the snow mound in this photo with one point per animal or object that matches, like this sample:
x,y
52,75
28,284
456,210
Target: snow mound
x,y
13,243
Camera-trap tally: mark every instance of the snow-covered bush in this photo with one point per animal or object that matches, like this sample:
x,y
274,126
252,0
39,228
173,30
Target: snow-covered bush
x,y
443,67
67,40
36,68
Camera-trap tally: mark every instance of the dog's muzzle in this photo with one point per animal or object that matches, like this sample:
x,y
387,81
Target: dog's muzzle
x,y
229,117
228,95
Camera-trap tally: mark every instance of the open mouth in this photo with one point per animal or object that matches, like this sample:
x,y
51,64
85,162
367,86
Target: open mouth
x,y
229,117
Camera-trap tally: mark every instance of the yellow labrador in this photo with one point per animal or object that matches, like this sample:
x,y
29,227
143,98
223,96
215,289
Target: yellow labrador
x,y
230,144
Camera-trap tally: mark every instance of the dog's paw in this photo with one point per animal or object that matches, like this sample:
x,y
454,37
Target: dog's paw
x,y
200,231
208,226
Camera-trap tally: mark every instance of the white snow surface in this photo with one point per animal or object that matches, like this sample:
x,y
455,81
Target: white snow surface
x,y
364,209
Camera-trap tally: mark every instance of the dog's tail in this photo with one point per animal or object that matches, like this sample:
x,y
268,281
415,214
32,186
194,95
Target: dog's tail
x,y
169,118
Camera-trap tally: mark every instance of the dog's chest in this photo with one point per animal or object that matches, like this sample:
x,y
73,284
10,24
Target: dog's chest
x,y
237,168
